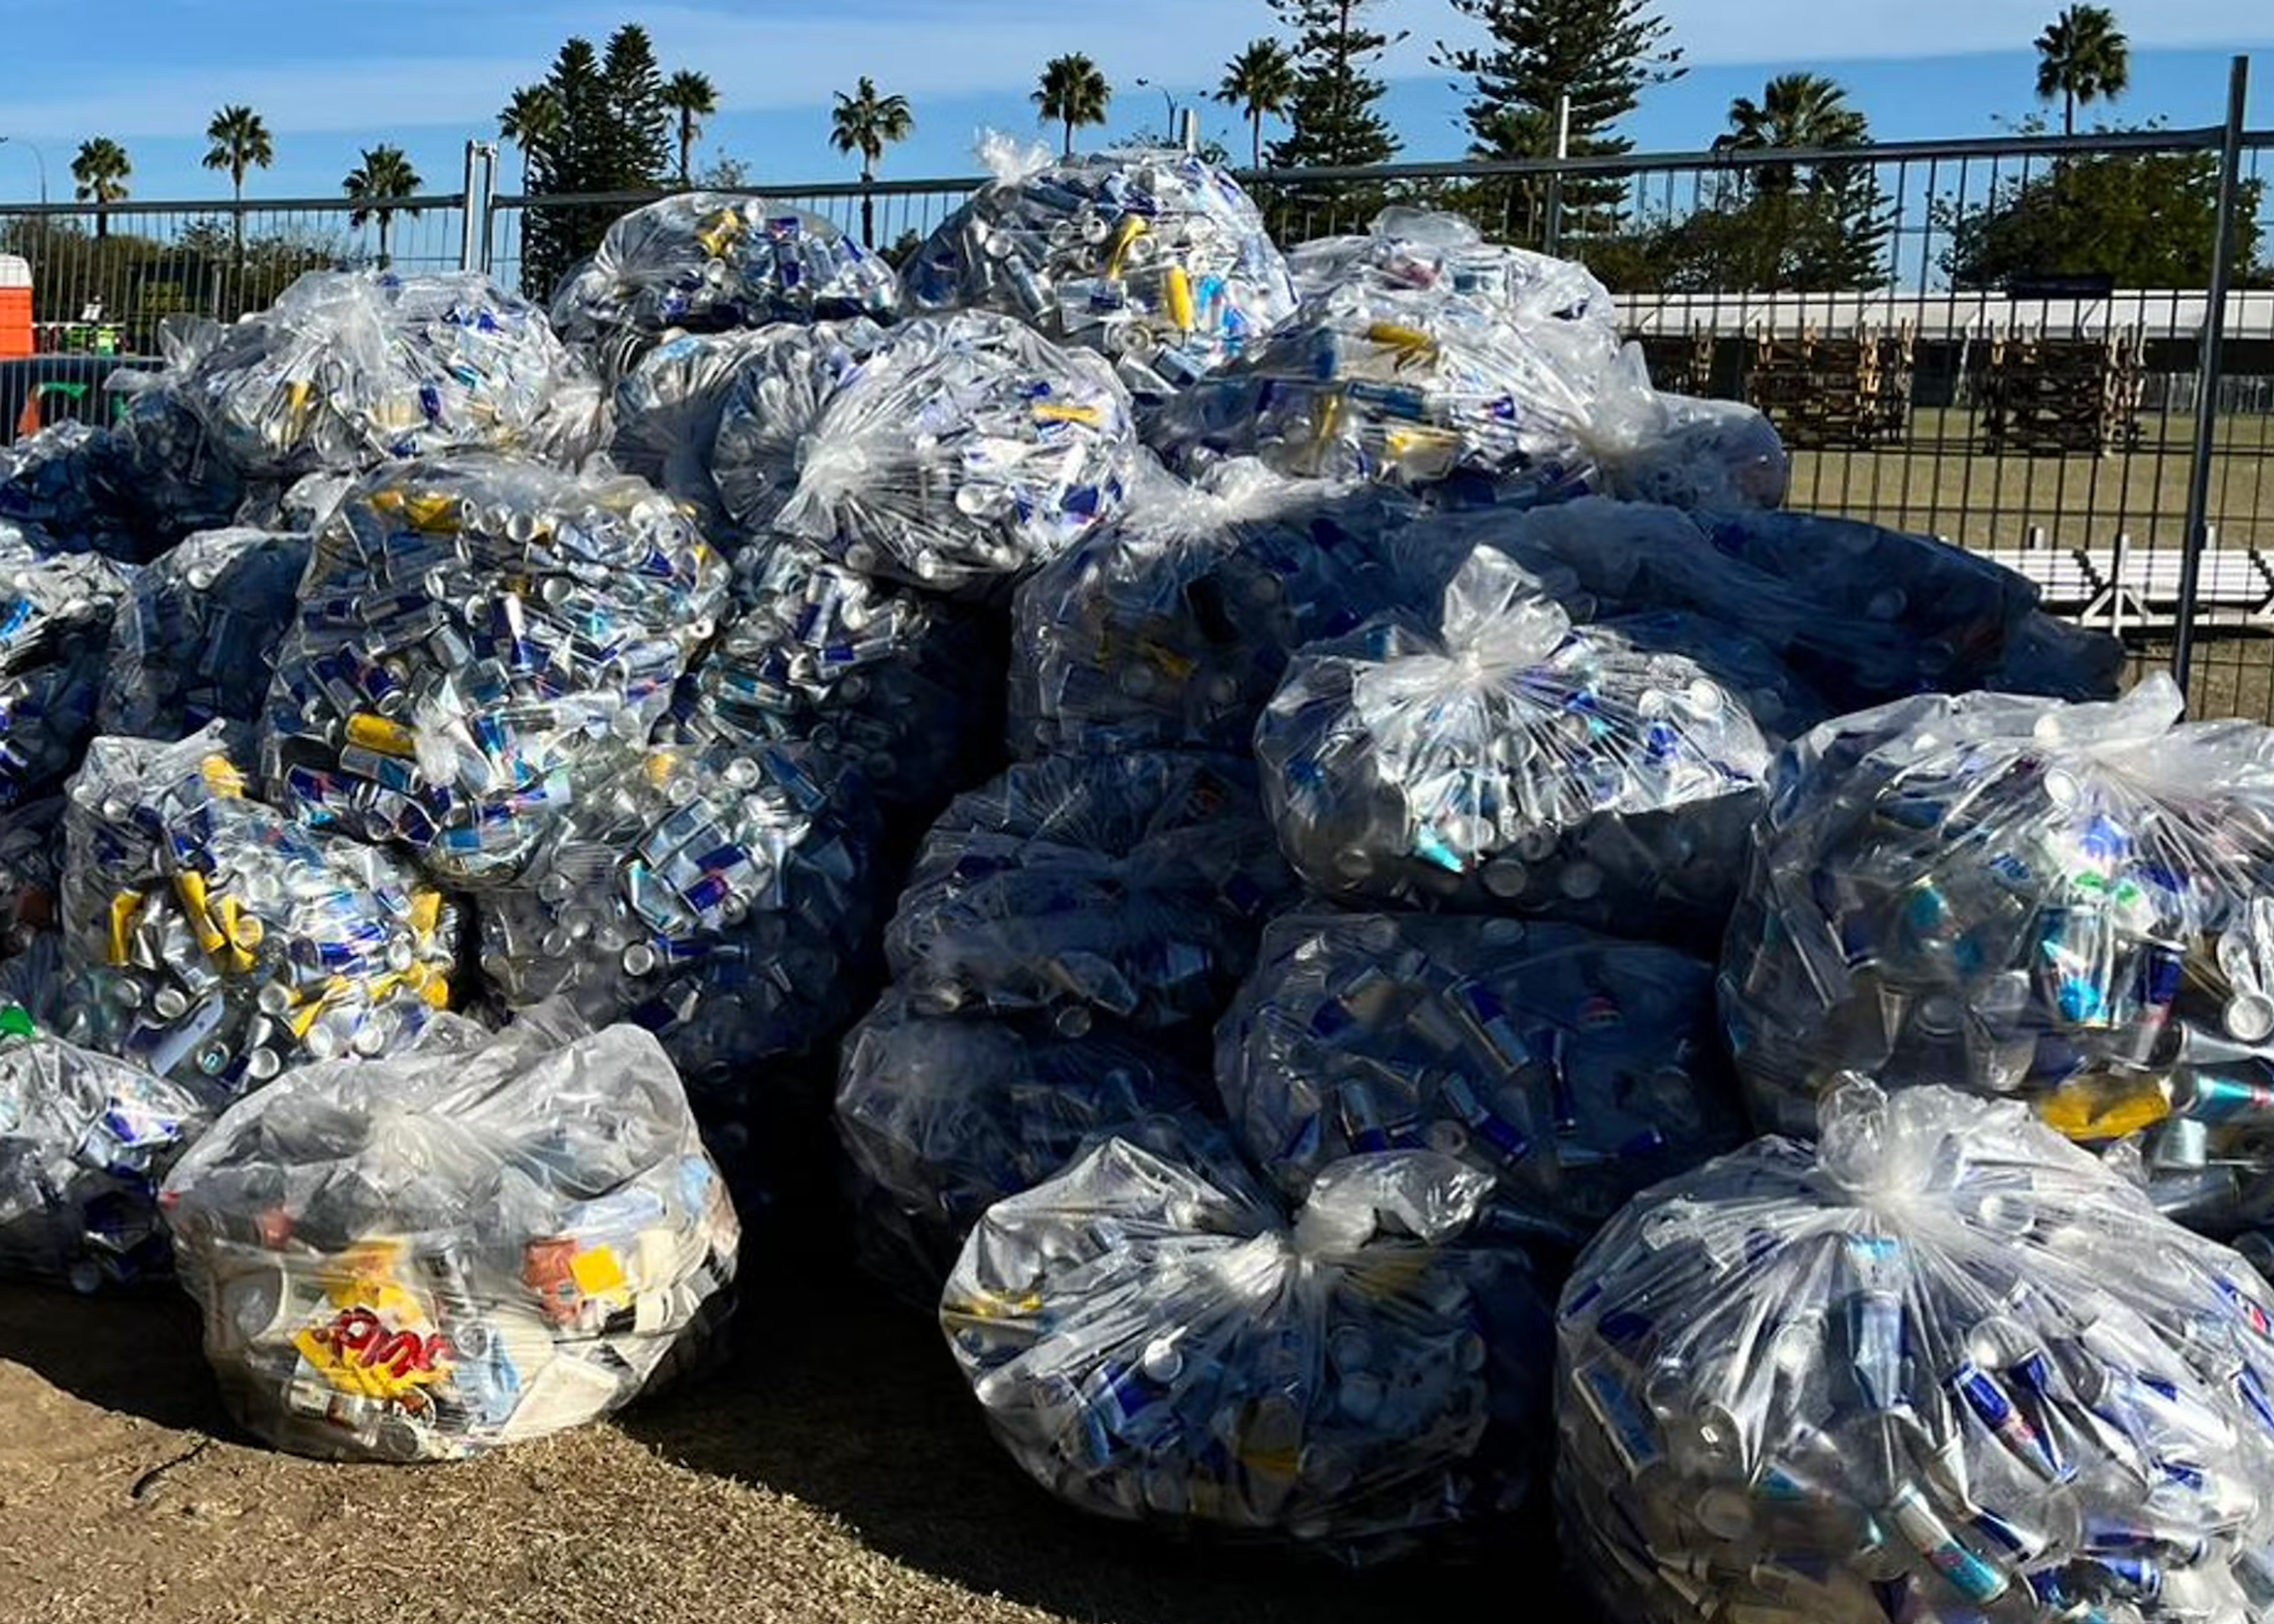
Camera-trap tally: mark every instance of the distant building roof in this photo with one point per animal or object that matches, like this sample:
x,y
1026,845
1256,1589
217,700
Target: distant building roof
x,y
1943,314
15,272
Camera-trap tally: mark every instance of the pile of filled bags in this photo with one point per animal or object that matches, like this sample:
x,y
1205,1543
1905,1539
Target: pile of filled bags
x,y
1305,813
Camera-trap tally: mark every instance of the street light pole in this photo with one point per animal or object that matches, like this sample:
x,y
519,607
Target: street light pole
x,y
37,157
1147,84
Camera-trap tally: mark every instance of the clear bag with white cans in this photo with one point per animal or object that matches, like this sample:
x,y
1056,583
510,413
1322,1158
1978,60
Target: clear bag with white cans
x,y
667,408
1412,249
1512,762
1573,1069
210,936
58,614
1163,1342
1941,1368
476,1243
1782,702
905,687
1864,614
478,643
348,368
196,639
1131,885
707,262
2059,903
719,899
786,375
965,451
1154,258
942,1117
84,1140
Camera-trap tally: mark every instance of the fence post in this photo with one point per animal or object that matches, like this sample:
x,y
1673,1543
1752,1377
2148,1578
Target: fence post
x,y
2119,557
2214,339
1553,235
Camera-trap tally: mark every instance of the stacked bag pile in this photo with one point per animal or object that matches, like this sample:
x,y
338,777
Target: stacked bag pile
x,y
1304,811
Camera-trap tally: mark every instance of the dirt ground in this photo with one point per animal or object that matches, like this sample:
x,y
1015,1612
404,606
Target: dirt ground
x,y
836,1471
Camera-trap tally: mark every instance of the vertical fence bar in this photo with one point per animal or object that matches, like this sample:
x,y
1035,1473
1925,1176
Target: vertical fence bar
x,y
2214,339
1553,232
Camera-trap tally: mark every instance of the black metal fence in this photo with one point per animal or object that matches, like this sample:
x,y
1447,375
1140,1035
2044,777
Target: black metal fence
x,y
1875,301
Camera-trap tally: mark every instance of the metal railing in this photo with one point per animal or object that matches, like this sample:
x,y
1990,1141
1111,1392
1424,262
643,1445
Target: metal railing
x,y
1718,258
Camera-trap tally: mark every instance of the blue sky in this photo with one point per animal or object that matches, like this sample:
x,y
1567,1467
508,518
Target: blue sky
x,y
332,76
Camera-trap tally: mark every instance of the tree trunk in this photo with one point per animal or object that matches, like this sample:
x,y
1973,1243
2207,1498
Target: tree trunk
x,y
1256,117
868,208
686,151
386,223
1069,142
2068,112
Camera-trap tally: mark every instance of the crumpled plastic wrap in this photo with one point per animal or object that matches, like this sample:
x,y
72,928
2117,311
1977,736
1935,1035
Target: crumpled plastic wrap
x,y
967,449
720,901
476,1243
576,424
707,262
1718,456
1941,1369
1156,258
1409,249
785,375
84,1141
57,614
1573,1069
905,687
197,637
1133,885
2062,903
942,1118
348,368
1153,1342
478,643
1863,613
1512,762
210,936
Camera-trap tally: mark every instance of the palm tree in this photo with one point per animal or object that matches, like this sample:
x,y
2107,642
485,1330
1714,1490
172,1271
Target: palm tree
x,y
867,122
694,98
1073,93
384,178
239,142
101,169
2082,56
1796,110
531,120
1262,82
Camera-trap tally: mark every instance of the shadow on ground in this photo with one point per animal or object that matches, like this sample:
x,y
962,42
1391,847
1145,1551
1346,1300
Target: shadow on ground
x,y
136,1355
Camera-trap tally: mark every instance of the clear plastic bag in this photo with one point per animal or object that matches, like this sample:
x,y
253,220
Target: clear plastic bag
x,y
478,643
60,482
667,411
2020,897
707,262
786,377
1573,1069
348,368
197,637
476,1243
1412,249
1782,703
209,936
56,615
1154,258
2060,660
1156,1342
1942,1369
84,1141
1133,885
942,1118
967,449
905,687
1510,761
720,901
31,867
1720,455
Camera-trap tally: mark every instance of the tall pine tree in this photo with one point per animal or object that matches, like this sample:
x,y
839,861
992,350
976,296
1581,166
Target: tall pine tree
x,y
1335,121
614,136
1600,53
638,122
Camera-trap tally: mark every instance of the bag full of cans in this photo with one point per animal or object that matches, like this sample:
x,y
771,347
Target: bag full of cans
x,y
1512,762
1782,702
785,374
207,936
479,643
1718,456
1407,250
2058,903
943,1117
1154,258
1160,1342
966,450
196,638
1573,1069
718,899
480,1241
706,261
56,616
1940,1367
668,409
1132,885
84,1140
31,867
